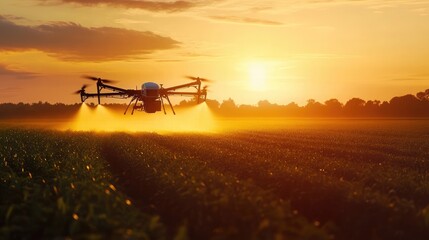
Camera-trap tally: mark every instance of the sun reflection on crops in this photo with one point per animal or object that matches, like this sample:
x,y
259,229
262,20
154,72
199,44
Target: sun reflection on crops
x,y
103,119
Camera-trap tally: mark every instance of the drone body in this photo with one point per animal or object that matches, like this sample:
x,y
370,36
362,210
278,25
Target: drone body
x,y
150,98
150,92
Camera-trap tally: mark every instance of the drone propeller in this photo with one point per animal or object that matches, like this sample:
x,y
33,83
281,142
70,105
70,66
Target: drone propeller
x,y
98,79
198,79
204,89
81,90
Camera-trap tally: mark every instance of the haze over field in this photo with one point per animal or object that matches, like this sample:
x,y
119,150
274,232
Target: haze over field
x,y
282,51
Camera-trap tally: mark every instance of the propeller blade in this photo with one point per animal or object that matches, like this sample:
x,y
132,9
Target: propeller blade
x,y
198,78
205,89
190,77
90,77
108,81
82,89
97,78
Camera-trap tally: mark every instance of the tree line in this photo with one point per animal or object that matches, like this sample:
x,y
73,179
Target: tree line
x,y
403,106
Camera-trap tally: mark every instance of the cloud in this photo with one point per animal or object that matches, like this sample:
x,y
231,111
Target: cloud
x,y
7,93
70,41
304,5
406,79
7,72
155,6
169,60
236,19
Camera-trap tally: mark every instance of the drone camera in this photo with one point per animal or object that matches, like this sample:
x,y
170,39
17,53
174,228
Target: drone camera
x,y
152,106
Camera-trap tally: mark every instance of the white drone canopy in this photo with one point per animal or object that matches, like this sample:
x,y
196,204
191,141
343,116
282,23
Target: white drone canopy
x,y
150,89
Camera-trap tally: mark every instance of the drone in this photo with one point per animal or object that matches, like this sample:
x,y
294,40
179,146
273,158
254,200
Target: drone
x,y
150,98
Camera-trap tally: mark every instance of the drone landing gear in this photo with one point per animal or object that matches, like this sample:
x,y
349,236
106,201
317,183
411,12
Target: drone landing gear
x,y
171,106
134,107
129,105
163,107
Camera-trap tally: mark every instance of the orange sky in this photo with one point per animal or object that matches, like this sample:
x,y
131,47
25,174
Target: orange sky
x,y
282,51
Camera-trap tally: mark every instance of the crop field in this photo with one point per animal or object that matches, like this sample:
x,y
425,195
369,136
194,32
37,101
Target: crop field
x,y
361,179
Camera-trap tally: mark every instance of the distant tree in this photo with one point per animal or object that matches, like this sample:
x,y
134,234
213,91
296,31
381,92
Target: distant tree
x,y
184,103
228,107
384,109
248,110
314,108
402,106
213,104
292,105
292,109
333,107
354,107
264,104
355,103
423,95
270,109
372,108
334,103
408,105
310,102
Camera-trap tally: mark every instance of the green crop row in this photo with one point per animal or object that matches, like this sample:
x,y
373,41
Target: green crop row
x,y
56,185
210,202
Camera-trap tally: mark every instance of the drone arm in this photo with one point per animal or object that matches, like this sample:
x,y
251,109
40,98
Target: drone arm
x,y
183,86
85,96
112,88
182,93
197,94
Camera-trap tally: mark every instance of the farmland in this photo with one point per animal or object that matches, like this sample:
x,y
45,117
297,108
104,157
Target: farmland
x,y
348,179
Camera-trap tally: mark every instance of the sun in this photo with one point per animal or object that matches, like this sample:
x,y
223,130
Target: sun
x,y
257,76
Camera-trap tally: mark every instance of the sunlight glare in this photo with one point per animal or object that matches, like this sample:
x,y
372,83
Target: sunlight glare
x,y
258,76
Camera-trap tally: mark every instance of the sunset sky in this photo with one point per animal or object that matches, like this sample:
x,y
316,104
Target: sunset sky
x,y
279,50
